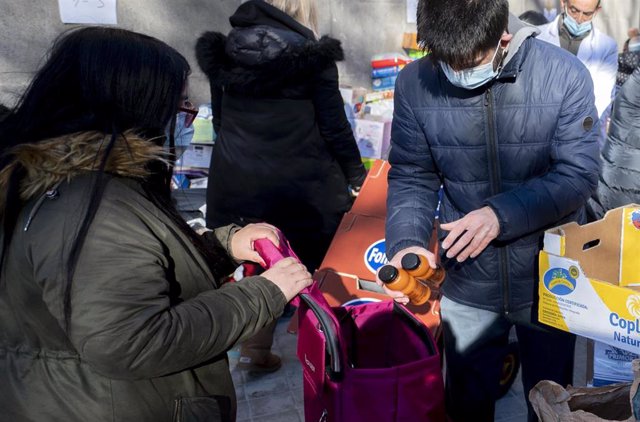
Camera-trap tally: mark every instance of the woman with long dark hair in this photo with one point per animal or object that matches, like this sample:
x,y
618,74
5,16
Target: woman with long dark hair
x,y
111,307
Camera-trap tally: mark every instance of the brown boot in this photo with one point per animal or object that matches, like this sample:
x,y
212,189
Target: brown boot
x,y
255,352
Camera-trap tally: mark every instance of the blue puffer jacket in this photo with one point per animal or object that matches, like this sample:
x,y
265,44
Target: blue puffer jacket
x,y
525,145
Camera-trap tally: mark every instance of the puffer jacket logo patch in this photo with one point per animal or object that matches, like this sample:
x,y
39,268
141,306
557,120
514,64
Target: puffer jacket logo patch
x,y
587,123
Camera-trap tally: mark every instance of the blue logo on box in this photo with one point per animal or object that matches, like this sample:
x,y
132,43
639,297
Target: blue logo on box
x,y
559,281
360,301
635,219
375,256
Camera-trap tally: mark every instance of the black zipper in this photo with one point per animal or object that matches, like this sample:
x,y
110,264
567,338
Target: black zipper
x,y
496,188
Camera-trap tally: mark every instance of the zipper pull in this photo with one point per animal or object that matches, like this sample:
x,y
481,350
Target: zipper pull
x,y
487,97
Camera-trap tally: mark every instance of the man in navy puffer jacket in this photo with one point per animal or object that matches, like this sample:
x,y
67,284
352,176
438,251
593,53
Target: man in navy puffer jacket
x,y
507,124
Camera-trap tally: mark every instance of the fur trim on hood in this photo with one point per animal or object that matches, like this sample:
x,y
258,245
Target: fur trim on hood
x,y
53,160
223,59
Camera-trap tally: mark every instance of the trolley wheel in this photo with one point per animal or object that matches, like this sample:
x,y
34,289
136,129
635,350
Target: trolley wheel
x,y
510,367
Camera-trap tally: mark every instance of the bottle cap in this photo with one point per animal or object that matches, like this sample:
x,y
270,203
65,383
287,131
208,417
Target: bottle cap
x,y
410,261
388,273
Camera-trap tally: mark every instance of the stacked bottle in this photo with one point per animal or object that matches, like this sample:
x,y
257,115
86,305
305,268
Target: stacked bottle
x,y
406,279
418,267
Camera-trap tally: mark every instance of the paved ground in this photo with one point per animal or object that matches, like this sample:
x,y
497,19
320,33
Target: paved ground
x,y
277,397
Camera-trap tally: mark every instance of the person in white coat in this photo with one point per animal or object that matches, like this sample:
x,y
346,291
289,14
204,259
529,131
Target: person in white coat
x,y
574,31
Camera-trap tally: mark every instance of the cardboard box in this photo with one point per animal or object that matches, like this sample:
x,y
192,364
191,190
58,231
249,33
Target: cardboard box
x,y
358,247
351,95
384,84
373,137
203,131
411,47
348,271
611,365
372,199
590,279
196,156
389,60
371,97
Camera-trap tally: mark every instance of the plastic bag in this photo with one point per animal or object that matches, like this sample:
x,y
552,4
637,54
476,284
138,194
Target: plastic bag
x,y
616,402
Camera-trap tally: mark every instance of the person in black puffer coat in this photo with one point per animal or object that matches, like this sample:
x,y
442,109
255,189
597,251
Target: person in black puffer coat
x,y
285,152
620,158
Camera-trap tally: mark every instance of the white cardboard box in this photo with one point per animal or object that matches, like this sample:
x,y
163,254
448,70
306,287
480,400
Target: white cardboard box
x,y
590,279
373,137
196,156
611,365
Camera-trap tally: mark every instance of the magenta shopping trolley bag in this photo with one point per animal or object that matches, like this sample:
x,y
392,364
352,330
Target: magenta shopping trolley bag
x,y
369,362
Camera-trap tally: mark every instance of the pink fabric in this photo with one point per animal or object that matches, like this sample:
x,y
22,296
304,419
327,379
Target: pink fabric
x,y
272,253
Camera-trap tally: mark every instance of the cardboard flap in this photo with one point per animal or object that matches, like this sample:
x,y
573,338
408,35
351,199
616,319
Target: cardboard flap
x,y
554,242
596,246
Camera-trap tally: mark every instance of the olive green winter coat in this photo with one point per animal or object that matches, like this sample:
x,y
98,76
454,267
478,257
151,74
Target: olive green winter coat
x,y
150,327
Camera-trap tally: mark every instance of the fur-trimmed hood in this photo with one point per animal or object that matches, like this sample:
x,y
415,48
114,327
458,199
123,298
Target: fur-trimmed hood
x,y
54,160
265,51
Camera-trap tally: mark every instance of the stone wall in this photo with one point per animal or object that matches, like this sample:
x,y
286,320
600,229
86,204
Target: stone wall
x,y
365,27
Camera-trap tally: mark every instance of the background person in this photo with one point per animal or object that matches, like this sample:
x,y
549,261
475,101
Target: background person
x,y
111,307
574,31
285,151
620,158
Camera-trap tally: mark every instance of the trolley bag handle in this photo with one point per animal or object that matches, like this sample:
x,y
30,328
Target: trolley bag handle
x,y
312,297
327,322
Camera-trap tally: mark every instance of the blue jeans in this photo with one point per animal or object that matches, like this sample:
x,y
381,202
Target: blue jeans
x,y
475,343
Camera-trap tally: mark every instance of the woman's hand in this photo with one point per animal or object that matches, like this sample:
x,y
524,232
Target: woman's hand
x,y
290,276
242,241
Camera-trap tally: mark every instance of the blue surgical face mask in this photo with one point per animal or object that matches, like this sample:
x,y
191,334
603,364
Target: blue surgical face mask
x,y
474,77
182,135
576,29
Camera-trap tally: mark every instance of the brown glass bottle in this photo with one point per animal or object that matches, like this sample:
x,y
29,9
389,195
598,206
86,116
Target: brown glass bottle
x,y
418,267
400,280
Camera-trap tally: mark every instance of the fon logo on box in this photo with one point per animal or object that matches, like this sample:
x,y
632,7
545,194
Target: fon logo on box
x,y
375,256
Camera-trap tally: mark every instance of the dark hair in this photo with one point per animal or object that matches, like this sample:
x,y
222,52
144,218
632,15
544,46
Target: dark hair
x,y
533,18
456,32
106,80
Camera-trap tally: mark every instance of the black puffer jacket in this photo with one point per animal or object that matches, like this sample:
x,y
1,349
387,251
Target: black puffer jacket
x,y
285,152
524,144
620,178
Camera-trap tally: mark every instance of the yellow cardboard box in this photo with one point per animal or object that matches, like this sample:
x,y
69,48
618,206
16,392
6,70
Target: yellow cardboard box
x,y
590,279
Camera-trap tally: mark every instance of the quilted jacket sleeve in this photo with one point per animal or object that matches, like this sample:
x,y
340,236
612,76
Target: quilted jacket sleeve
x,y
413,179
573,172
